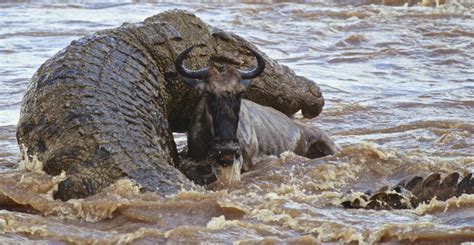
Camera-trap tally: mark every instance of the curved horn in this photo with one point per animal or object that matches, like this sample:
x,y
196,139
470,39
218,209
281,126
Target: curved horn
x,y
258,70
199,74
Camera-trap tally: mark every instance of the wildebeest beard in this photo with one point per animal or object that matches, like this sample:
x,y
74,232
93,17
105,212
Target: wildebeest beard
x,y
224,112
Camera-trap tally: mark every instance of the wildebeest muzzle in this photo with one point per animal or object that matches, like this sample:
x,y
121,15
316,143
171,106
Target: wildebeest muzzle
x,y
226,152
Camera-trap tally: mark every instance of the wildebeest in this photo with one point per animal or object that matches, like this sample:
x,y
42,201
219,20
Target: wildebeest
x,y
224,127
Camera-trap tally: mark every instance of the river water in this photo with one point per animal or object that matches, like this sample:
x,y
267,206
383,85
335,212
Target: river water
x,y
399,89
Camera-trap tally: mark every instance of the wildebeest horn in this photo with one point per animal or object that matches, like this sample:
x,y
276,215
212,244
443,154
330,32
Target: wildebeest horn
x,y
199,74
258,70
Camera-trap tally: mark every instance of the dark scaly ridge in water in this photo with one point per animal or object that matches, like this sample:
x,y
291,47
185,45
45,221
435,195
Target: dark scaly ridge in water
x,y
415,191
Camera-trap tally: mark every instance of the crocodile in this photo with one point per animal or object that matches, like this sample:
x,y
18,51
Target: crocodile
x,y
414,191
105,107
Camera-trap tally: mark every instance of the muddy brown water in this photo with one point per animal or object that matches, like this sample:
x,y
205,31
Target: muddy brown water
x,y
399,89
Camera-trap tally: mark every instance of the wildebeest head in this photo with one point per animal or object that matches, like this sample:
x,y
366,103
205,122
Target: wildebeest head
x,y
223,93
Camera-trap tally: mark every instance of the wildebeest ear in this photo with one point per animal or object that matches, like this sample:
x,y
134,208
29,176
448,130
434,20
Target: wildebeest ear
x,y
191,82
246,82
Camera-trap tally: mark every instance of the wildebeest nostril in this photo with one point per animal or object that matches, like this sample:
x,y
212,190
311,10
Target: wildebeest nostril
x,y
227,148
226,153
